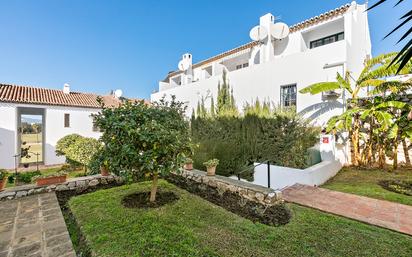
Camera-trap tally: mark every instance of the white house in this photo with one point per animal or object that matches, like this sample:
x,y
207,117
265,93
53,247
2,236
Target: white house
x,y
278,64
61,112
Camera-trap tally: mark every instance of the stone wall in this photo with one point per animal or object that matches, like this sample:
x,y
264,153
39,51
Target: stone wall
x,y
254,202
76,186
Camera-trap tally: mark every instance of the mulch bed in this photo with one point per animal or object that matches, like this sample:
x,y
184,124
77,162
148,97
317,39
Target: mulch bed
x,y
141,199
397,186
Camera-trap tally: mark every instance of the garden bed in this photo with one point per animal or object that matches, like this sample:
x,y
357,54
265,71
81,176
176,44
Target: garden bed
x,y
192,226
366,182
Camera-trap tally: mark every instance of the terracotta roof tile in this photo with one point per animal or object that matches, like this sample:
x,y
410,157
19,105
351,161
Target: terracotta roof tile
x,y
299,26
44,96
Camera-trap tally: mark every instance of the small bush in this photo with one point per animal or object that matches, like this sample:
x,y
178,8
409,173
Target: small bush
x,y
26,177
281,138
82,150
3,174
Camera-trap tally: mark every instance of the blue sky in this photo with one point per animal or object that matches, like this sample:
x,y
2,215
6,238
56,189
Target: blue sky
x,y
97,46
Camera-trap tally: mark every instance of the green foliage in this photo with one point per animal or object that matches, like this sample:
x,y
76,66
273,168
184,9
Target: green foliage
x,y
237,142
48,175
226,105
188,160
211,163
63,145
65,142
82,150
3,174
26,177
145,140
78,150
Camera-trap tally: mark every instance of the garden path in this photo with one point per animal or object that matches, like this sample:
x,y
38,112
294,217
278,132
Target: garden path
x,y
381,213
34,226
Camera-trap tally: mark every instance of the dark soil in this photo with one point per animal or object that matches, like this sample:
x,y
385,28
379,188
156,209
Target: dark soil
x,y
397,186
141,199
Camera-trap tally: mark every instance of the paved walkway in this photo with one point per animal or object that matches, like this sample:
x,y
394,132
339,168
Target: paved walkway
x,y
34,226
381,213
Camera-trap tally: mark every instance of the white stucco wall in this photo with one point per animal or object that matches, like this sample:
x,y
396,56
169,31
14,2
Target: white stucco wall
x,y
80,123
264,81
8,135
281,177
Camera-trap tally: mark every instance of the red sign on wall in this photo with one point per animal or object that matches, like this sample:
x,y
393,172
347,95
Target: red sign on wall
x,y
325,140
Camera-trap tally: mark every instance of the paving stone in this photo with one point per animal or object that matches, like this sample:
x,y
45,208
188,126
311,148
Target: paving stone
x,y
26,250
381,213
57,240
60,250
27,229
54,231
4,245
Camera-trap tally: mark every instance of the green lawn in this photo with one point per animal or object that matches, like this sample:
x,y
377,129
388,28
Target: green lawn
x,y
365,182
31,138
194,227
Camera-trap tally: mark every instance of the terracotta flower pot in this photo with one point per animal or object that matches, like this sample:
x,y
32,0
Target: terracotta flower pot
x,y
188,166
51,180
3,184
104,171
211,171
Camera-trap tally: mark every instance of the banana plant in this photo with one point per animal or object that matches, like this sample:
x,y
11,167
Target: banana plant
x,y
375,69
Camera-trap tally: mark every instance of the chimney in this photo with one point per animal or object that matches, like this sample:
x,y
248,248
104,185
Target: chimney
x,y
66,88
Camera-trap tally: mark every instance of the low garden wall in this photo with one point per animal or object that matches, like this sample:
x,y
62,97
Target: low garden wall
x,y
281,177
254,202
72,186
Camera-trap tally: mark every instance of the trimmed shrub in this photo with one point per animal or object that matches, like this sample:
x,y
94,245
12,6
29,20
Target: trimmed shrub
x,y
63,146
240,141
83,149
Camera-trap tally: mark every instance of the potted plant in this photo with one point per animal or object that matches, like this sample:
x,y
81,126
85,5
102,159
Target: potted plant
x,y
188,164
211,166
3,179
50,179
104,169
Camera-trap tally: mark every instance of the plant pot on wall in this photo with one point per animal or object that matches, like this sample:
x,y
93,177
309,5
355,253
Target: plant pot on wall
x,y
104,171
188,166
211,166
51,180
211,171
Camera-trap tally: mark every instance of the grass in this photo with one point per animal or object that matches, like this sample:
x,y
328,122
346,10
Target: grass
x,y
31,138
35,143
194,227
365,182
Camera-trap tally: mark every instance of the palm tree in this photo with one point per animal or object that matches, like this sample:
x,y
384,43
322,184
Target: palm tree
x,y
405,55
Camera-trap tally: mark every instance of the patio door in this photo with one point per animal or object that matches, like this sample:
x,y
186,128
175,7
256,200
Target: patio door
x,y
30,143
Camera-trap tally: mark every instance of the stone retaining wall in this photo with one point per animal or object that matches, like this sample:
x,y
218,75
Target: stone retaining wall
x,y
254,202
76,185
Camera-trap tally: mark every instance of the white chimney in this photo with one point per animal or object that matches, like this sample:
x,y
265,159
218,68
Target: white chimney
x,y
66,88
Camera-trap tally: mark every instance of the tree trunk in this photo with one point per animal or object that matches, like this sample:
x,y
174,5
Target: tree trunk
x,y
154,189
355,142
395,154
381,155
406,152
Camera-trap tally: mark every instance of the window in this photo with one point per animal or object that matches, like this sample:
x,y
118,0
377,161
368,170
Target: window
x,y
67,120
288,95
327,40
241,66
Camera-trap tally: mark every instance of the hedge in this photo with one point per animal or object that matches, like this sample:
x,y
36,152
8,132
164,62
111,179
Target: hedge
x,y
238,142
